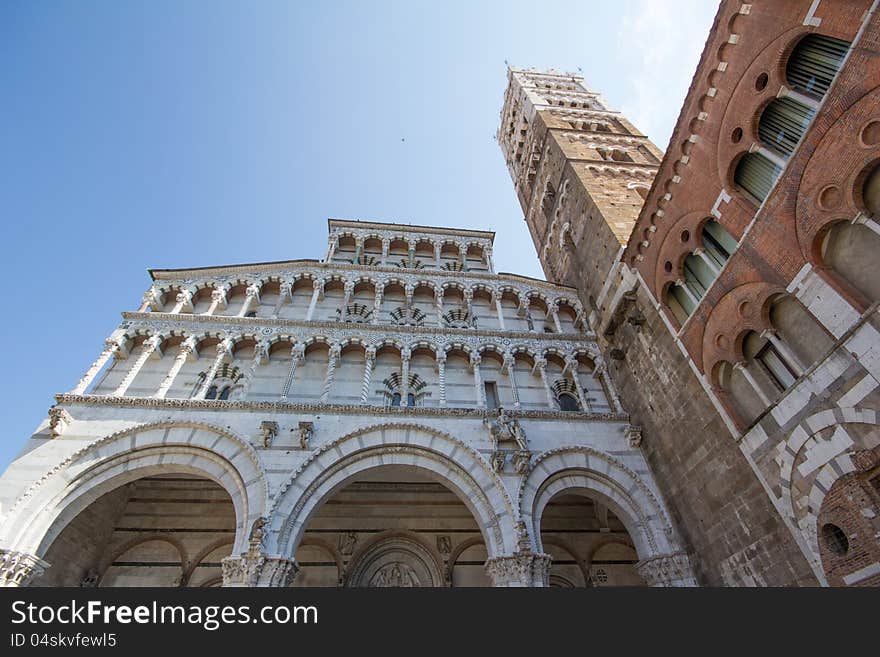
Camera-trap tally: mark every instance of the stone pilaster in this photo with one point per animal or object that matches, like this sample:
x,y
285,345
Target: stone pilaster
x,y
19,568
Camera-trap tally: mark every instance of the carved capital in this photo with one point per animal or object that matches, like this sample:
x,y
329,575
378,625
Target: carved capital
x,y
19,568
519,570
256,568
667,570
634,436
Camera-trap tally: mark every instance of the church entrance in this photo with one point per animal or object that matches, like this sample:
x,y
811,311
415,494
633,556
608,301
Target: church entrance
x,y
393,526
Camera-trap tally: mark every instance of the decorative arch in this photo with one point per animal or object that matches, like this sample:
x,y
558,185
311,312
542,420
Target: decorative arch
x,y
46,507
576,468
451,461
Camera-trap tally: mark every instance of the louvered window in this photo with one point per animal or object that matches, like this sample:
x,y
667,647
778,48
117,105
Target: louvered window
x,y
756,174
783,123
814,63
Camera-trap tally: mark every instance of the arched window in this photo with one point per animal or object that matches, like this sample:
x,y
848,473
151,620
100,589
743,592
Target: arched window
x,y
224,394
756,174
814,62
212,393
783,123
410,400
395,399
717,242
698,276
568,402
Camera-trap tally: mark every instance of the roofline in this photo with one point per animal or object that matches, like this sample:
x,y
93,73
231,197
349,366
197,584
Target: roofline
x,y
412,228
153,272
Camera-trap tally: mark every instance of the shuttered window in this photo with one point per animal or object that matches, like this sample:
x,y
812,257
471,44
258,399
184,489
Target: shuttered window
x,y
680,303
814,62
783,123
756,174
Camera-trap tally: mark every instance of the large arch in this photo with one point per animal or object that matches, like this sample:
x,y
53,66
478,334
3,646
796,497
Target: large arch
x,y
50,504
437,454
598,475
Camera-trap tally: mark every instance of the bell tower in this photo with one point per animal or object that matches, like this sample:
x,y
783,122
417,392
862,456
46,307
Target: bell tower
x,y
581,173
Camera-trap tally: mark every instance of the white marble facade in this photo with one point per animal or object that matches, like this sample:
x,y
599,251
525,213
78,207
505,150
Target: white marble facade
x,y
395,414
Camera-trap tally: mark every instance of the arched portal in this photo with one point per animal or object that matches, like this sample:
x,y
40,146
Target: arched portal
x,y
103,473
167,530
589,544
392,526
413,455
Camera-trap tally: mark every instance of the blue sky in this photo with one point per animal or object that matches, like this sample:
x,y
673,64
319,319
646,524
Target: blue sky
x,y
172,134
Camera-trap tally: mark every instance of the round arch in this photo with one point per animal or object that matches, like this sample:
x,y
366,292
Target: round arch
x,y
444,458
597,475
40,514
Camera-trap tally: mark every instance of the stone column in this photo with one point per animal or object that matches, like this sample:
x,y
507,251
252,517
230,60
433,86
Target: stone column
x,y
297,354
261,350
152,300
110,347
487,252
462,253
386,244
405,355
469,306
411,254
332,360
223,349
706,258
19,568
667,570
317,293
554,313
183,301
252,296
441,376
187,347
524,569
687,290
358,248
541,364
478,380
572,364
742,366
438,306
785,351
437,249
150,346
496,298
218,299
369,361
284,293
607,384
331,247
377,302
510,367
347,290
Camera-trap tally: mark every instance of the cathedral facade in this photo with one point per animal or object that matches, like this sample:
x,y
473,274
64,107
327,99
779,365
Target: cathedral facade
x,y
394,414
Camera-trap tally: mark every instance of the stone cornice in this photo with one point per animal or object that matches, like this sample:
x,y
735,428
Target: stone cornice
x,y
330,409
256,325
184,276
409,228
